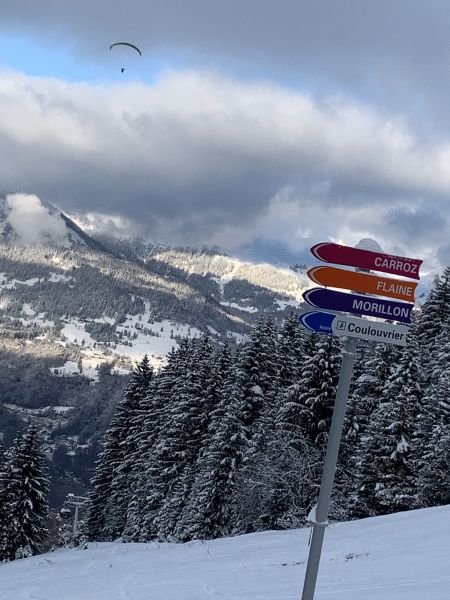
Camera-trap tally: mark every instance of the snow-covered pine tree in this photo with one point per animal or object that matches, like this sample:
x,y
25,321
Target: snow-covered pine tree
x,y
233,428
291,351
183,433
148,496
128,413
220,370
308,406
110,486
268,384
27,489
433,319
365,397
288,404
211,507
145,433
433,479
385,477
368,389
5,505
433,434
257,506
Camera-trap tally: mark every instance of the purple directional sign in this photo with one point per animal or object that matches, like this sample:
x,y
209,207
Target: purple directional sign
x,y
317,321
359,305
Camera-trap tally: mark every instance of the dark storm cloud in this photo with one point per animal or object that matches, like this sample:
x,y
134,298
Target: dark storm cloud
x,y
418,224
198,157
397,52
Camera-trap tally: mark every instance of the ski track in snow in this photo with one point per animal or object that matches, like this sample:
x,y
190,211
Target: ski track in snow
x,y
398,557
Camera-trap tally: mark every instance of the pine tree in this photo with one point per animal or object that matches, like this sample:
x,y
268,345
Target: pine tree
x,y
268,384
433,437
145,432
251,513
308,406
291,351
128,413
236,433
26,501
182,435
220,370
434,319
385,479
211,507
433,480
147,495
5,478
110,494
365,397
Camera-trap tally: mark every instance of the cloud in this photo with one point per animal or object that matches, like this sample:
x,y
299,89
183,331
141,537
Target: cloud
x,y
395,53
32,222
199,158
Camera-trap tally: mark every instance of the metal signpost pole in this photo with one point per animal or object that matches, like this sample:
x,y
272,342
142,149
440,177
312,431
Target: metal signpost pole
x,y
334,439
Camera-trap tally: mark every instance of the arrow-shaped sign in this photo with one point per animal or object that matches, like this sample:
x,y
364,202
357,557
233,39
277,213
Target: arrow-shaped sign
x,y
317,321
361,282
365,259
372,331
359,305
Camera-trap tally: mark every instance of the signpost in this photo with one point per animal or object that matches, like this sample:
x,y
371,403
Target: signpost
x,y
366,259
361,282
359,305
344,326
352,328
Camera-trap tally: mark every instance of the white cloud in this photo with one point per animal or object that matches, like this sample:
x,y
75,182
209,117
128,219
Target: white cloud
x,y
32,221
202,158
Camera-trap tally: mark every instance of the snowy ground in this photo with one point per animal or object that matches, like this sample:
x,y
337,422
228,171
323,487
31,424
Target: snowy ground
x,y
398,557
143,336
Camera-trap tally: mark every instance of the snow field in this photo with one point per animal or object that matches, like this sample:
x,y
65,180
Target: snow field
x,y
156,342
284,303
11,284
249,309
404,556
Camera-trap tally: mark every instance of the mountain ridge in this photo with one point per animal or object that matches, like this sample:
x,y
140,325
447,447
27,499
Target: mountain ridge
x,y
77,311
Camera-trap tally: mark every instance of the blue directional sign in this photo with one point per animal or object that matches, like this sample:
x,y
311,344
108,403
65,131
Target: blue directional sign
x,y
344,326
320,322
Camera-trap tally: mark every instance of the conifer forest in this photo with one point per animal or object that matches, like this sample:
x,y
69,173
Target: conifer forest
x,y
221,443
225,441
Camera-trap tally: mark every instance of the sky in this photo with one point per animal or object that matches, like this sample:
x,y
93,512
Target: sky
x,y
260,127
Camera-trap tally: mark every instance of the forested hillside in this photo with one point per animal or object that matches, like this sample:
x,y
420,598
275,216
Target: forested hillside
x,y
77,313
222,443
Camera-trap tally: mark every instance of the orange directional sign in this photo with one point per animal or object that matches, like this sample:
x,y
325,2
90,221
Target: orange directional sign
x,y
362,282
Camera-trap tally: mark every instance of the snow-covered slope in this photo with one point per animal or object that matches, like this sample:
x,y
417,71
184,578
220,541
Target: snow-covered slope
x,y
398,557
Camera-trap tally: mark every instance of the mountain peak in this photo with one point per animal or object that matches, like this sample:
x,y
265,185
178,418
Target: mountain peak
x,y
26,220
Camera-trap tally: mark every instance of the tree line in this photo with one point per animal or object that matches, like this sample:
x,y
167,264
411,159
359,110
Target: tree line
x,y
221,443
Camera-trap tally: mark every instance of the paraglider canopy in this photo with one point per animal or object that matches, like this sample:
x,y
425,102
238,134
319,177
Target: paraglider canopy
x,y
126,44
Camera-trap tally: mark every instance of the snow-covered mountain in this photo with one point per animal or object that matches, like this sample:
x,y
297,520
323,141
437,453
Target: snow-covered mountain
x,y
75,310
402,556
110,299
26,220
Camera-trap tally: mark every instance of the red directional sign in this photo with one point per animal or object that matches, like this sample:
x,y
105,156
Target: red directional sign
x,y
365,259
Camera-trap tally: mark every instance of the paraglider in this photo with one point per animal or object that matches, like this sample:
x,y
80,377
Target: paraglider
x,y
132,46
